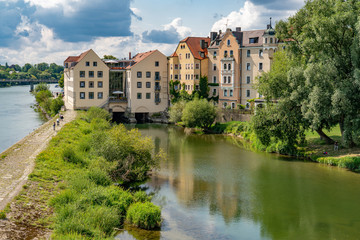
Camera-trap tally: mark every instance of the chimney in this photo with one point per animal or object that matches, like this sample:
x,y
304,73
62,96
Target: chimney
x,y
129,55
213,35
238,29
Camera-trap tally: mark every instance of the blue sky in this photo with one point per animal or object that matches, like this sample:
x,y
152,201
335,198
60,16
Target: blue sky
x,y
50,30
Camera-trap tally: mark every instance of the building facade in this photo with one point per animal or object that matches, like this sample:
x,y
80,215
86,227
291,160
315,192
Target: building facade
x,y
189,62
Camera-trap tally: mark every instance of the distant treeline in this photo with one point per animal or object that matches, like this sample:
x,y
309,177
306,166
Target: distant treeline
x,y
28,71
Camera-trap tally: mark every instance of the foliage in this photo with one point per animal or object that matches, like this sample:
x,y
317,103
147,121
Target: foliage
x,y
176,111
2,215
61,81
56,105
204,89
109,57
28,71
42,87
45,100
95,112
199,113
144,215
352,163
325,47
174,92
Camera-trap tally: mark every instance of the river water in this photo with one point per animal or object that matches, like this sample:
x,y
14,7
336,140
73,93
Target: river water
x,y
17,118
211,187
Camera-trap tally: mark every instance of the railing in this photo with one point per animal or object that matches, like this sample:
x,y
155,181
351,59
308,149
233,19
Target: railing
x,y
157,78
118,100
157,88
157,100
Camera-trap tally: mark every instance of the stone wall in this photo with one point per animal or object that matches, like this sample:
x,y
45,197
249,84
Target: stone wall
x,y
227,115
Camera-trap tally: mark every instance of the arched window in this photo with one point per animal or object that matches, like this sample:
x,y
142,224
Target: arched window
x,y
225,66
271,40
228,42
247,105
233,105
229,66
231,53
229,79
224,79
265,40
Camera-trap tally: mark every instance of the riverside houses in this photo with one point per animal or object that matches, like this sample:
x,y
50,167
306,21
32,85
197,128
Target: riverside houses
x,y
236,58
189,62
131,89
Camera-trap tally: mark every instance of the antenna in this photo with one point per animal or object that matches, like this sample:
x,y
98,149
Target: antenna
x,y
270,22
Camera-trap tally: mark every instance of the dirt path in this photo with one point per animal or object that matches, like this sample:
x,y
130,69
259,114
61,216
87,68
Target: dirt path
x,y
17,162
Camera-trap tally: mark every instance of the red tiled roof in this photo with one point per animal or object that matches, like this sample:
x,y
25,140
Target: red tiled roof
x,y
174,54
194,46
76,58
139,57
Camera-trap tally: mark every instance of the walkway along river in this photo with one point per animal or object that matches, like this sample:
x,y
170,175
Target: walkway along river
x,y
212,188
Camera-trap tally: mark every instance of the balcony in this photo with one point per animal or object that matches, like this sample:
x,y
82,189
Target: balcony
x,y
157,100
157,88
157,78
113,99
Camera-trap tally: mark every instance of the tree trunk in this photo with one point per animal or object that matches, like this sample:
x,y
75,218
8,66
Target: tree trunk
x,y
341,124
325,137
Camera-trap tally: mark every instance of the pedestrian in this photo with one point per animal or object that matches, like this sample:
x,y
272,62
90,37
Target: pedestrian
x,y
336,146
58,122
54,126
61,117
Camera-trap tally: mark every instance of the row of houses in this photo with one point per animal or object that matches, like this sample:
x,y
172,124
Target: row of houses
x,y
137,88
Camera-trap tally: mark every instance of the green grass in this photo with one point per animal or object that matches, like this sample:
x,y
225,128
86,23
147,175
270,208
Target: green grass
x,y
313,137
2,215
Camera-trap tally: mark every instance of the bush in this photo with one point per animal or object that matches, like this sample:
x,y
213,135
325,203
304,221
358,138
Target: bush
x,y
141,196
96,112
99,177
176,111
199,113
56,105
69,155
2,215
144,215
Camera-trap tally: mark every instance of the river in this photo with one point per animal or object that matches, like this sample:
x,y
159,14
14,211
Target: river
x,y
211,187
17,118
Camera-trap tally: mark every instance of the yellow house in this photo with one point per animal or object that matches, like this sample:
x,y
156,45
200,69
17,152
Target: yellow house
x,y
86,81
189,62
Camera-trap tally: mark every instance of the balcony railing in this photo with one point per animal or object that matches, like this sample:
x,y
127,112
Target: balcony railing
x,y
157,78
117,100
157,88
157,100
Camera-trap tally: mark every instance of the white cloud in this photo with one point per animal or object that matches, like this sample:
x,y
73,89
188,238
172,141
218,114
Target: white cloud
x,y
250,17
177,24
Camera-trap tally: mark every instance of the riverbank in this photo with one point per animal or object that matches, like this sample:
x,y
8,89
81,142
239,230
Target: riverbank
x,y
17,162
314,149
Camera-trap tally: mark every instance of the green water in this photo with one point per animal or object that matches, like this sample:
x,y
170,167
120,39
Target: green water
x,y
17,118
212,188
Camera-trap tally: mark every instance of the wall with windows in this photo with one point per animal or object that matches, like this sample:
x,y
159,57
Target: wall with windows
x,y
87,83
148,84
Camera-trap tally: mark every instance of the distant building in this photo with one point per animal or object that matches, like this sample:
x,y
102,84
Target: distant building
x,y
131,88
189,62
236,58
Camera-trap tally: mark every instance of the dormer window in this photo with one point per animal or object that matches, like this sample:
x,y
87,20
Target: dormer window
x,y
228,42
254,40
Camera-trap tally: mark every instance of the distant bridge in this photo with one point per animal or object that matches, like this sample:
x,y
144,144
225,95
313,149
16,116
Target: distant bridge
x,y
31,82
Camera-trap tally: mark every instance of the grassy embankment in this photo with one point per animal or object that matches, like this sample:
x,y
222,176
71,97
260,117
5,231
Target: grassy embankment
x,y
72,187
313,149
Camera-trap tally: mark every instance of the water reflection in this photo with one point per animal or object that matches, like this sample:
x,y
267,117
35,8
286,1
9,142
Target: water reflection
x,y
210,188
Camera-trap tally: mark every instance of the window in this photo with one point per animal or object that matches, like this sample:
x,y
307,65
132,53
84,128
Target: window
x,y
231,53
214,53
82,84
148,74
228,42
100,74
100,95
91,84
214,91
192,66
265,40
138,95
197,66
171,77
260,66
261,53
139,74
197,87
248,79
247,105
196,76
231,93
224,66
179,76
224,80
254,40
157,75
225,53
100,84
82,95
66,65
248,66
176,66
139,84
271,40
91,95
82,74
156,63
247,93
229,66
233,105
214,66
148,84
87,64
224,104
248,52
148,95
229,79
176,77
179,66
95,64
170,66
214,79
225,93
91,74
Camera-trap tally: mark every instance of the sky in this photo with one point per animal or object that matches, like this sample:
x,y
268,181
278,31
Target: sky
x,y
34,31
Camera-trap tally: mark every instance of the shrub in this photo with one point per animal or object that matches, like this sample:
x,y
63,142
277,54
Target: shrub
x,y
176,111
141,196
199,113
144,215
69,155
56,105
96,112
2,215
99,177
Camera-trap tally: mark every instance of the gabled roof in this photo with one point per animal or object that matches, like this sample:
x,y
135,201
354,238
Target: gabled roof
x,y
77,58
194,46
139,57
174,55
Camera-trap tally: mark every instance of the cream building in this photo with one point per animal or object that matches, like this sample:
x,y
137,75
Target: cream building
x,y
189,62
236,58
86,81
